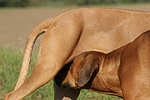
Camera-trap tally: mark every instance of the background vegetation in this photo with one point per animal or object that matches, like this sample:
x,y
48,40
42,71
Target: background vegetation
x,y
27,3
10,62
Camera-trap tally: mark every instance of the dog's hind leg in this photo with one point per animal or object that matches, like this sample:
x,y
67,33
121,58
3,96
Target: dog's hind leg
x,y
57,44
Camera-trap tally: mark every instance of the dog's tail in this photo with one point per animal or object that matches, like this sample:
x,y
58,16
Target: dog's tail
x,y
37,31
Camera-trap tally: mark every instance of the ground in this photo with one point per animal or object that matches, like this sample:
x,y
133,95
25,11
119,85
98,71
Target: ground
x,y
16,24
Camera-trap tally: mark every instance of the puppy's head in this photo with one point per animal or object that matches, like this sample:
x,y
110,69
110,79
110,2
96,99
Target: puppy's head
x,y
81,70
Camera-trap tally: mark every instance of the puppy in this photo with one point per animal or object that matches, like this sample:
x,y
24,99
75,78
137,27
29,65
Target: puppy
x,y
124,72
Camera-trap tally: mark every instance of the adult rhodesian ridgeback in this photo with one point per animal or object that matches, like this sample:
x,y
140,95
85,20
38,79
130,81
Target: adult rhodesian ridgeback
x,y
72,33
124,72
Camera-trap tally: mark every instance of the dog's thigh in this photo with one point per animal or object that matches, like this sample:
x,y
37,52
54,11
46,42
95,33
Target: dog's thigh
x,y
56,46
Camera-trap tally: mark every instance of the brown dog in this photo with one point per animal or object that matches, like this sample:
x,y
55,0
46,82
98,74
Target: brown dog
x,y
72,33
124,72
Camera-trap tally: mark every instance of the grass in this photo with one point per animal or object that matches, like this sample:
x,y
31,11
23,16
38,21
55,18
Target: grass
x,y
10,65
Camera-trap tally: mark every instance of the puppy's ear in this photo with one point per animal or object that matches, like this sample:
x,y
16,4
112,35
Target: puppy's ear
x,y
89,65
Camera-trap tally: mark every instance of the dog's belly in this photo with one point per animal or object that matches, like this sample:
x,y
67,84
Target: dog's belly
x,y
107,41
103,42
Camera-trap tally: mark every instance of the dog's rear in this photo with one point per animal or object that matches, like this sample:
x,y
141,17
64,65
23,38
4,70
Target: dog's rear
x,y
135,69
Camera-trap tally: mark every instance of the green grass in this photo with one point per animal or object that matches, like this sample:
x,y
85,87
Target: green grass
x,y
10,65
